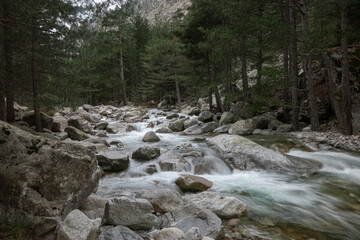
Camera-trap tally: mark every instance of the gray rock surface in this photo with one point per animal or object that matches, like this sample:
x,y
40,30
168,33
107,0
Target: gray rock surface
x,y
177,126
170,233
242,127
226,118
209,127
150,137
80,123
93,207
113,161
118,233
193,130
76,134
164,130
190,183
205,116
146,153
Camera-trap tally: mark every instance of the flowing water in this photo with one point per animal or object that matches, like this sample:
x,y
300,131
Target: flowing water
x,y
324,204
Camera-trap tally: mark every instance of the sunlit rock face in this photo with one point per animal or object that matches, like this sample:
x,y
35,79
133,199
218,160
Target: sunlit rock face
x,y
162,9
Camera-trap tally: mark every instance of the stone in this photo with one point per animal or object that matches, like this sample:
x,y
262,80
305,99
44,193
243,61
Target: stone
x,y
242,127
307,129
261,132
47,178
150,125
88,107
189,216
164,130
205,116
189,122
273,124
97,140
174,165
150,137
76,134
193,234
284,128
146,153
63,135
209,127
101,134
193,130
202,105
78,226
190,183
102,125
46,120
162,104
224,207
170,233
114,128
223,129
130,128
113,161
177,126
174,115
94,118
59,124
242,110
261,123
280,147
117,143
118,233
93,207
226,118
80,123
136,214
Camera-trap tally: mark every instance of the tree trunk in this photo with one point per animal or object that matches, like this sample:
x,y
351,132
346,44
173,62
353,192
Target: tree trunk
x,y
35,80
123,89
219,104
345,76
260,42
293,66
314,118
285,18
178,94
246,94
210,99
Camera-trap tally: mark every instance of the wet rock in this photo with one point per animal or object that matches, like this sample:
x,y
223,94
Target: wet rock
x,y
114,128
226,118
164,130
102,125
273,124
118,233
224,207
242,127
205,116
136,214
130,128
170,233
190,122
177,126
174,115
77,225
261,132
150,125
113,161
188,217
101,133
97,140
150,137
192,154
307,129
223,129
46,120
284,128
117,143
80,123
146,153
59,124
177,165
204,165
209,127
193,130
93,207
63,135
280,147
76,134
190,183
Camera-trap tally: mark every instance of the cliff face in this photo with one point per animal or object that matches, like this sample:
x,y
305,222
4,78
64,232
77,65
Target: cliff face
x,y
162,9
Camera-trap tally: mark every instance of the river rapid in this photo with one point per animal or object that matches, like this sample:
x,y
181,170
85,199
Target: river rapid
x,y
322,204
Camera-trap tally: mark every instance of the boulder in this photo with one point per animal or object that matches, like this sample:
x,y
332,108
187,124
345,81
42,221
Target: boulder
x,y
242,110
190,183
146,153
59,124
223,129
76,134
94,118
171,233
80,123
193,130
189,216
174,165
77,225
242,127
88,107
97,140
102,125
193,234
118,233
273,124
261,122
177,126
150,125
223,207
130,128
113,161
189,122
46,120
162,104
42,180
202,105
284,128
164,130
226,118
261,132
114,128
174,115
136,214
101,133
150,137
93,207
117,143
209,127
63,135
205,116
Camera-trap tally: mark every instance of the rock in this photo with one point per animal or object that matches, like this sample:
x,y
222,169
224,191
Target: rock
x,y
164,130
77,225
273,124
42,180
93,207
80,123
205,165
150,125
284,128
101,134
209,127
223,129
162,104
133,213
174,165
205,116
76,134
114,128
261,132
102,125
88,107
223,207
242,110
193,130
97,140
226,118
59,124
117,143
193,234
307,129
150,137
118,233
242,127
280,147
174,115
261,123
46,120
130,128
63,135
146,153
193,154
190,183
177,126
203,105
94,118
190,122
170,233
188,217
113,161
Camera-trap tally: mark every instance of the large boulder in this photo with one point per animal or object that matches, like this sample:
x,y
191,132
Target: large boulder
x,y
102,125
226,118
223,129
59,124
190,183
93,207
164,130
189,216
209,127
150,137
78,226
224,207
273,124
189,122
242,127
205,116
114,128
46,120
284,128
80,123
178,125
146,153
113,161
170,233
118,233
135,213
76,134
42,180
193,130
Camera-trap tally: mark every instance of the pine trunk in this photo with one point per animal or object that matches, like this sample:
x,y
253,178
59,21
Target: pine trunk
x,y
246,94
35,80
260,42
345,76
123,87
219,104
178,94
